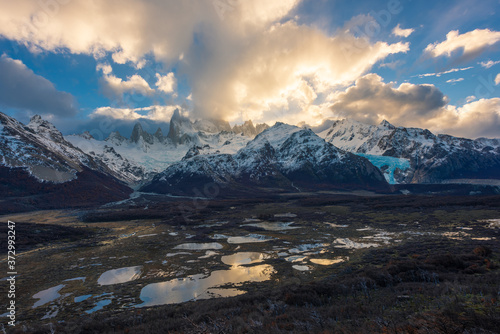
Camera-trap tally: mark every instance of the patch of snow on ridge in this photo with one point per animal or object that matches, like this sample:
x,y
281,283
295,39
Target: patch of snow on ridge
x,y
277,135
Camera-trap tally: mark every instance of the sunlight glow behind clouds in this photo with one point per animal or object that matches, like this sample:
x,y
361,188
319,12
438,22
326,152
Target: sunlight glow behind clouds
x,y
286,69
258,59
252,64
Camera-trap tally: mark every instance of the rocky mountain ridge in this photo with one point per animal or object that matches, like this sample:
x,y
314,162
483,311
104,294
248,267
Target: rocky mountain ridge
x,y
282,157
430,158
40,169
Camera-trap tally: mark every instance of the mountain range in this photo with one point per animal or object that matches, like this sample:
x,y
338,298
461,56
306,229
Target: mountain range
x,y
143,155
38,164
418,155
283,157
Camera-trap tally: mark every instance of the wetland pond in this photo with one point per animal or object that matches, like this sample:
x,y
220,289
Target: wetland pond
x,y
215,259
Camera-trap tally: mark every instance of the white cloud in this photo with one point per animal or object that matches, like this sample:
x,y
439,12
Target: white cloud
x,y
259,12
154,113
455,80
392,65
398,31
497,79
166,83
128,29
105,68
115,87
489,63
117,113
438,74
470,98
471,43
162,113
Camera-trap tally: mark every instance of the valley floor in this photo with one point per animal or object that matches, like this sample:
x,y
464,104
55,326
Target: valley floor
x,y
315,263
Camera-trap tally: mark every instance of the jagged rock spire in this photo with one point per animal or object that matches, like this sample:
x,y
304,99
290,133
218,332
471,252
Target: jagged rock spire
x,y
138,133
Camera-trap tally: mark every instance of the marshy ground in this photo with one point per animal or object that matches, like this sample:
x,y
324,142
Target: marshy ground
x,y
315,263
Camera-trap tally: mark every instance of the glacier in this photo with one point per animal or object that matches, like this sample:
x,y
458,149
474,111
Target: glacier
x,y
391,164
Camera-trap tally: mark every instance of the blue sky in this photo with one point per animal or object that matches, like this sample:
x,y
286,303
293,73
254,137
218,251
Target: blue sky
x,y
291,60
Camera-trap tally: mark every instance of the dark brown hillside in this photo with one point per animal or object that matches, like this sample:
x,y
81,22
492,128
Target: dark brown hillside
x,y
19,191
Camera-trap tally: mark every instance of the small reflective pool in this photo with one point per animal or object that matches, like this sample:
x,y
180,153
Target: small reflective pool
x,y
199,286
121,275
242,258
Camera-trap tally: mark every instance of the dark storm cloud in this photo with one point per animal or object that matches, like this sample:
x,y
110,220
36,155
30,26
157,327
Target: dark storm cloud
x,y
371,100
22,89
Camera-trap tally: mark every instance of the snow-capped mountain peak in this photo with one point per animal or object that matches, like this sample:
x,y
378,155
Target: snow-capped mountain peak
x,y
45,128
159,135
40,169
41,149
116,138
387,125
249,129
181,129
277,134
138,133
86,135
